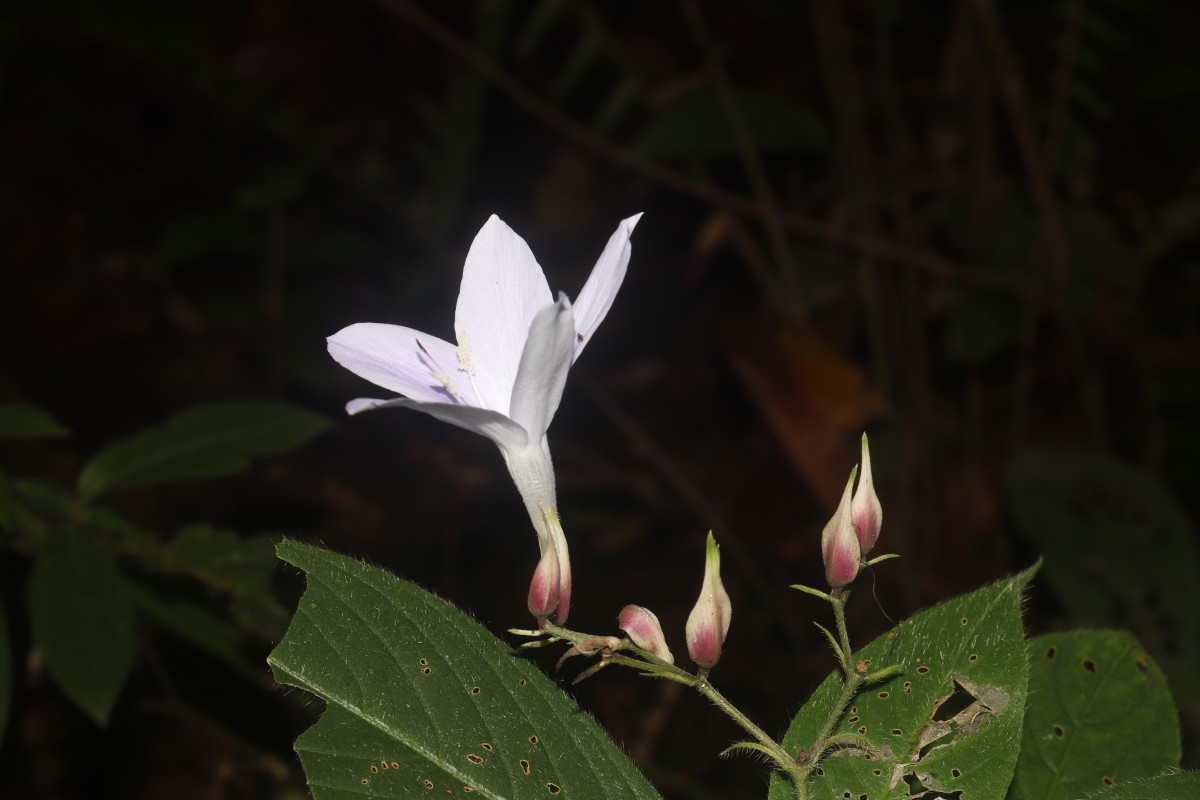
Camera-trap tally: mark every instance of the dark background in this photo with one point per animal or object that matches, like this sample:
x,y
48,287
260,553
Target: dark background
x,y
966,229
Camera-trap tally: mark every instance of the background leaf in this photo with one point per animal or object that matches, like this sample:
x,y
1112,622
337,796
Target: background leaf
x,y
21,421
696,125
418,696
201,442
1164,787
5,675
966,651
82,620
1100,713
1119,550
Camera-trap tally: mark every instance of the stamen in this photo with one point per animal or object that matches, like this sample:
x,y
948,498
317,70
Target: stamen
x,y
439,374
467,365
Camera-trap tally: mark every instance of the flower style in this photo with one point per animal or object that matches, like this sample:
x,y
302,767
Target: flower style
x,y
839,544
866,510
708,624
505,377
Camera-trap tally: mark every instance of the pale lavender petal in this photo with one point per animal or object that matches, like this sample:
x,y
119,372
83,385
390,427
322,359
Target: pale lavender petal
x,y
414,364
596,297
508,435
544,366
502,289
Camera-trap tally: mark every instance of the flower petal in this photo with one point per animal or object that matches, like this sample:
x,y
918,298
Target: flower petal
x,y
414,364
502,289
601,287
508,435
545,362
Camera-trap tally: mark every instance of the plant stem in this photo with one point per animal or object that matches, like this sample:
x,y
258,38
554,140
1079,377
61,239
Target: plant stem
x,y
854,681
658,668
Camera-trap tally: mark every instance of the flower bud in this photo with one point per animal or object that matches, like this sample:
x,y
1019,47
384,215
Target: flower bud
x,y
544,588
708,624
839,544
866,511
642,626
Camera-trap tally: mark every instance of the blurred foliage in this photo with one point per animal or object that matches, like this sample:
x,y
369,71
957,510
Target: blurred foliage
x,y
194,194
98,584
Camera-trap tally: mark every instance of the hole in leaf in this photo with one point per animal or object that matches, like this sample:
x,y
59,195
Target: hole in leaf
x,y
553,788
914,784
963,620
973,657
474,759
897,732
487,746
468,789
425,670
424,662
950,707
374,768
956,773
428,783
1107,781
846,794
853,709
884,695
819,772
475,690
922,670
1059,731
1089,665
534,739
908,687
383,764
365,782
522,682
1051,652
524,766
852,719
877,772
962,713
395,765
862,796
862,730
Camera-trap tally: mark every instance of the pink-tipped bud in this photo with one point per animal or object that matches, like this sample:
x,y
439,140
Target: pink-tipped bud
x,y
708,624
544,588
839,544
866,510
642,626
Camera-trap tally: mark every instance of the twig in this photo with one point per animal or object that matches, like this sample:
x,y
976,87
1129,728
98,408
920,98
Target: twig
x,y
695,501
751,161
902,254
1012,90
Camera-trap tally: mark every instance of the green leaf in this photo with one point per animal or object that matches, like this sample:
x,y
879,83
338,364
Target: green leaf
x,y
231,565
82,620
189,621
1099,713
21,421
1176,786
1119,549
420,697
696,126
949,722
201,442
5,675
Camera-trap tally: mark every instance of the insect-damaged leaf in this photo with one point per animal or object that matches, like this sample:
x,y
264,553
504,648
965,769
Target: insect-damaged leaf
x,y
421,699
949,722
1100,713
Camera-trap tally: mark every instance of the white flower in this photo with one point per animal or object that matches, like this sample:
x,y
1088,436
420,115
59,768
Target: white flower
x,y
505,377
